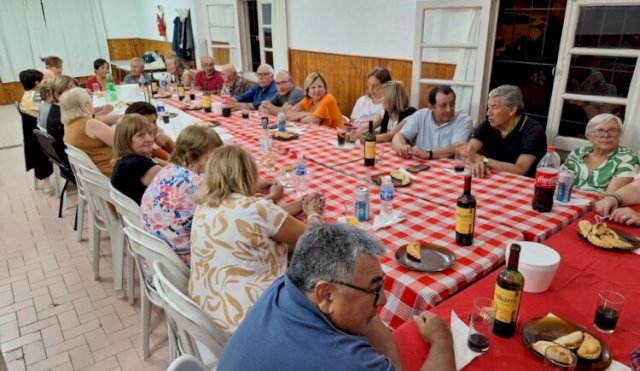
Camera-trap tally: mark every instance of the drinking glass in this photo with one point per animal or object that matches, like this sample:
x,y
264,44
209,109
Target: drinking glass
x,y
460,158
342,134
608,311
553,363
287,179
481,324
315,125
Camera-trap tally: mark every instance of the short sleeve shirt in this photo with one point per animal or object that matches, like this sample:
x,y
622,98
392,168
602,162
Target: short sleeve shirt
x,y
294,96
211,83
365,108
327,110
234,257
168,205
622,162
422,131
526,138
127,175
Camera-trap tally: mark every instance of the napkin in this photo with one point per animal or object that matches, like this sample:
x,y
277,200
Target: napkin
x,y
379,223
346,145
296,130
460,332
405,172
574,201
617,366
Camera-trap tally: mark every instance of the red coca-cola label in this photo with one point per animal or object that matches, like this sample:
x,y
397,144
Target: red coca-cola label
x,y
546,178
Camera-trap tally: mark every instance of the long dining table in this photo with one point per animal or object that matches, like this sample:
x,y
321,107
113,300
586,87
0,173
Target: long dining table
x,y
583,271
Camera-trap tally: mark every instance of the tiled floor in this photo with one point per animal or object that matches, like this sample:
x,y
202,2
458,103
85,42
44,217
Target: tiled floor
x,y
53,315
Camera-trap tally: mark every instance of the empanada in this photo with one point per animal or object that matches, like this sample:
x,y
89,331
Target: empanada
x,y
541,346
414,249
560,354
590,348
570,341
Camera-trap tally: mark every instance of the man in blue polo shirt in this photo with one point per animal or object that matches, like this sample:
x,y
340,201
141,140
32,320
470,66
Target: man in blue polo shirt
x,y
322,314
434,132
263,90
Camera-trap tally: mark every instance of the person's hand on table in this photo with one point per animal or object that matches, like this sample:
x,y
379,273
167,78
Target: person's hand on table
x,y
275,192
264,185
237,106
626,216
313,203
404,150
606,205
104,110
417,152
432,328
479,169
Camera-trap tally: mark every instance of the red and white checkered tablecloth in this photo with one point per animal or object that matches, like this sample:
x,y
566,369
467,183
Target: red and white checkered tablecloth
x,y
409,292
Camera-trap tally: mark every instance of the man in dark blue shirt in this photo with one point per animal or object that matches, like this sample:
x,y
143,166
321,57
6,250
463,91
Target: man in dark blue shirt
x,y
263,90
322,314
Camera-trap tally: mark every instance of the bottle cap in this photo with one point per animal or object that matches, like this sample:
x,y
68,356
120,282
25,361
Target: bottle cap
x,y
551,148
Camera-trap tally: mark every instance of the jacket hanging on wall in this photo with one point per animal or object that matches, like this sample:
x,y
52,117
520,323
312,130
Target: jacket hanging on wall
x,y
182,43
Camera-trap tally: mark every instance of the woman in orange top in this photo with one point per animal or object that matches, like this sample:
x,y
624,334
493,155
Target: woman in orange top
x,y
318,105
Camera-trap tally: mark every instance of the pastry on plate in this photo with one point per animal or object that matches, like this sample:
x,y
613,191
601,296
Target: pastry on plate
x,y
570,341
541,346
401,176
590,348
284,134
560,354
414,250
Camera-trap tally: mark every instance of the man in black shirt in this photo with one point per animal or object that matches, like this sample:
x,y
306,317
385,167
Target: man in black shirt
x,y
511,141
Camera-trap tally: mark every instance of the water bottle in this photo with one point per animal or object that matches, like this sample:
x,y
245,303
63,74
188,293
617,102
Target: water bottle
x,y
386,198
265,142
159,106
546,181
301,175
282,122
112,96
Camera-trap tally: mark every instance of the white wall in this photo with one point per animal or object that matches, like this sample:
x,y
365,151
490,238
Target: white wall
x,y
375,28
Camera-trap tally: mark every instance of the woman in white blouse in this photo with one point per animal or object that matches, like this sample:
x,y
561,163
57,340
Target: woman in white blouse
x,y
370,104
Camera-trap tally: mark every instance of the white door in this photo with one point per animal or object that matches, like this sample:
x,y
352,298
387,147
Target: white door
x,y
223,32
272,33
451,46
597,71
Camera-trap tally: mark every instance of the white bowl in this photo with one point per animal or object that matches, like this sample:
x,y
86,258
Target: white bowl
x,y
538,264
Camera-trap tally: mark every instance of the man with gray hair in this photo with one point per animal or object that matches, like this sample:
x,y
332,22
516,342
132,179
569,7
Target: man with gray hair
x,y
137,74
263,90
209,79
287,96
322,314
512,141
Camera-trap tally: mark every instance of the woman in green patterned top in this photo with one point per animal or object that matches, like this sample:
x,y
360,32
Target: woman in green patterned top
x,y
604,165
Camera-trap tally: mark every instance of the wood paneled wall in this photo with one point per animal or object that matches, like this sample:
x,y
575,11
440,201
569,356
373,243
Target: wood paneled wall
x,y
123,49
346,75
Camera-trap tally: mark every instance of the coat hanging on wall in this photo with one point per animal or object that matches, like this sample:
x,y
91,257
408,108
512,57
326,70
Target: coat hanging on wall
x,y
182,43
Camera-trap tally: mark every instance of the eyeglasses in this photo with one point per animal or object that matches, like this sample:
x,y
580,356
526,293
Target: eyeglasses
x,y
613,132
375,292
283,82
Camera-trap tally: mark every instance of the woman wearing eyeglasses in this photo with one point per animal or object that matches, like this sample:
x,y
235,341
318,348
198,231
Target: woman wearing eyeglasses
x,y
603,165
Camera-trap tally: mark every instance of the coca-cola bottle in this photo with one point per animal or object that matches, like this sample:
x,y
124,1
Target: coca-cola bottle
x,y
546,179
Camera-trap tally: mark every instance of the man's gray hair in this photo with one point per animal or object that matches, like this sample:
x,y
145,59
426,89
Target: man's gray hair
x,y
330,252
601,119
511,96
267,66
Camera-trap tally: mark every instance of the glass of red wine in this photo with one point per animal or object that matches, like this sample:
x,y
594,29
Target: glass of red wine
x,y
481,324
608,311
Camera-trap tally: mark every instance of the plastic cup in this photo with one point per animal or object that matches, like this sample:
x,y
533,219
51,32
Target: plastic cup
x,y
165,117
481,324
341,136
552,362
608,311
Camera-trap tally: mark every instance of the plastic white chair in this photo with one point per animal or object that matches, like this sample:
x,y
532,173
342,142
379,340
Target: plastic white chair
x,y
127,207
186,362
196,333
76,157
145,246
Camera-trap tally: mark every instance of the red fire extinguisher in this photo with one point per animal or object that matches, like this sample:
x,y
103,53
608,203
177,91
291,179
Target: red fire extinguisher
x,y
162,26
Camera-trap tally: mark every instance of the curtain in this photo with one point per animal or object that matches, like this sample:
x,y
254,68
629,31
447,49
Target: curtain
x,y
77,34
280,42
21,30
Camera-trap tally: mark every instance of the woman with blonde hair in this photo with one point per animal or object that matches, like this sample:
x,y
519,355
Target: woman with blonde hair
x,y
83,131
318,105
134,168
170,199
238,241
395,102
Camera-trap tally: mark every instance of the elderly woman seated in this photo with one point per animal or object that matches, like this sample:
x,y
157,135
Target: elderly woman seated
x,y
134,169
318,106
170,199
84,132
238,241
604,165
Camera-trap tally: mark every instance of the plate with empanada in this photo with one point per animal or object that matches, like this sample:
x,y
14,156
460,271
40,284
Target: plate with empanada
x,y
398,178
540,333
603,236
285,136
424,256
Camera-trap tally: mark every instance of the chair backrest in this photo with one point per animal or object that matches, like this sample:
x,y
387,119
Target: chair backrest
x,y
48,146
186,362
151,248
187,319
125,206
79,160
96,187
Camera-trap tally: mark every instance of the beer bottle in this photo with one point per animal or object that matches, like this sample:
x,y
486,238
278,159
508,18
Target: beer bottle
x,y
206,101
180,91
465,214
370,147
508,295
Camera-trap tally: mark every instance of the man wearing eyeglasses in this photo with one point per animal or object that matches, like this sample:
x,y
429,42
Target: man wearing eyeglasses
x,y
511,141
288,95
263,90
322,314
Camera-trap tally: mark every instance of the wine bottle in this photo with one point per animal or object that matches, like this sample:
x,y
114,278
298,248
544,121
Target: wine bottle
x,y
180,91
206,101
508,295
370,147
465,214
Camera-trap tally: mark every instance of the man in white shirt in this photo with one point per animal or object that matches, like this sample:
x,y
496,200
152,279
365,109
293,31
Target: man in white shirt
x,y
432,132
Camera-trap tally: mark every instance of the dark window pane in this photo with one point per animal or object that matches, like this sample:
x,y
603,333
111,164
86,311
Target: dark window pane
x,y
268,43
608,27
268,56
576,114
607,76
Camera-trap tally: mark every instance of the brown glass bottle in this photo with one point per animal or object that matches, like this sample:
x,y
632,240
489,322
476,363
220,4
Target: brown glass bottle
x,y
465,215
206,101
508,295
370,147
180,91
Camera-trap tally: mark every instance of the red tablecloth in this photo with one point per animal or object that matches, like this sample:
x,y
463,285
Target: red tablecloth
x,y
583,271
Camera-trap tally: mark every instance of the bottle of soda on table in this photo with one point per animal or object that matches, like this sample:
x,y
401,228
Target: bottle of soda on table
x,y
546,180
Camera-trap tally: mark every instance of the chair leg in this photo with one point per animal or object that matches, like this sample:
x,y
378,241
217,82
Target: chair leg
x,y
35,181
117,254
145,310
64,188
94,242
80,217
55,178
131,278
75,222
